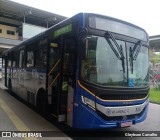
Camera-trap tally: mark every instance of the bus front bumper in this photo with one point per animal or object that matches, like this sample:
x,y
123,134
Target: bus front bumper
x,y
86,118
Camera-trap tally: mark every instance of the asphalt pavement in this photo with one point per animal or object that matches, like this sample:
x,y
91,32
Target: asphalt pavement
x,y
15,116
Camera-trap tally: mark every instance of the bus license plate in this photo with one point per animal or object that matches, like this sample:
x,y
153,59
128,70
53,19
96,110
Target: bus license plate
x,y
126,124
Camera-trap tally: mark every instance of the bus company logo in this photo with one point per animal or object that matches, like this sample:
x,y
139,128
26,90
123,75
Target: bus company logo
x,y
108,112
138,109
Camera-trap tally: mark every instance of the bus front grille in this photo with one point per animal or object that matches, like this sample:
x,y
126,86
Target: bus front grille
x,y
115,93
122,96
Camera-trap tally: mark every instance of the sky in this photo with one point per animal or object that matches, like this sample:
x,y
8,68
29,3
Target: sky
x,y
143,13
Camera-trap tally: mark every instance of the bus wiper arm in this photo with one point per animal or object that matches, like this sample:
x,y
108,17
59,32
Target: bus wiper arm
x,y
113,49
131,59
123,64
115,42
133,53
120,49
136,49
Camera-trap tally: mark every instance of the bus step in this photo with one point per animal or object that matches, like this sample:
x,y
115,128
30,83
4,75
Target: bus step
x,y
60,118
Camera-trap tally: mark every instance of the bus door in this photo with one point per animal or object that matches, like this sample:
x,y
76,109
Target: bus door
x,y
60,76
54,76
68,78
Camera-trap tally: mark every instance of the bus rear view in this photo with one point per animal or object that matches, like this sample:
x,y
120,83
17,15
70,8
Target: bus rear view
x,y
114,75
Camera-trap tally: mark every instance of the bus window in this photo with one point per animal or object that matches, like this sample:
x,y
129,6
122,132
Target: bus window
x,y
9,62
3,62
41,53
30,58
54,54
21,59
41,57
14,60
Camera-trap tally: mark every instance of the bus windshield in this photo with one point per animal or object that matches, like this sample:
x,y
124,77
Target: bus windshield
x,y
101,65
117,27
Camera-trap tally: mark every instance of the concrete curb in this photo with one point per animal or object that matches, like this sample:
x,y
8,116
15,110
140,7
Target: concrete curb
x,y
154,102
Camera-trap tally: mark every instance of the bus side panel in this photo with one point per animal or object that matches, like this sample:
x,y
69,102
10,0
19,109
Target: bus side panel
x,y
18,82
35,79
14,80
26,83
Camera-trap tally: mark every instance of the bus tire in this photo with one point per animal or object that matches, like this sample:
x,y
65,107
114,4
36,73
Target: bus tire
x,y
41,102
10,87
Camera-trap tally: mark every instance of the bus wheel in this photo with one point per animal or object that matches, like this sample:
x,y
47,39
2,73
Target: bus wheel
x,y
10,87
41,102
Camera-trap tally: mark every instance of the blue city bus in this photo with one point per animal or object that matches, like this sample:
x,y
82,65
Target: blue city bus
x,y
89,71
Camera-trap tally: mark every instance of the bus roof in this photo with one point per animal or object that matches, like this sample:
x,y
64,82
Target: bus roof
x,y
45,33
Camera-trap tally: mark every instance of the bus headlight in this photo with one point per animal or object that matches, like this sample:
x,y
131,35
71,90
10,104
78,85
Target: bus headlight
x,y
88,102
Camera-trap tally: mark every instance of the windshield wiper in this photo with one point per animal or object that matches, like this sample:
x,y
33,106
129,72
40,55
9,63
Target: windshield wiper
x,y
131,59
115,42
133,53
119,54
136,49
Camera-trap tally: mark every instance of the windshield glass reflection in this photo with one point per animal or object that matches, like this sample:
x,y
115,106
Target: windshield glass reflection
x,y
101,65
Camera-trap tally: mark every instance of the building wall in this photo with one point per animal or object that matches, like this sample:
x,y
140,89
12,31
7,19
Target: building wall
x,y
30,30
8,32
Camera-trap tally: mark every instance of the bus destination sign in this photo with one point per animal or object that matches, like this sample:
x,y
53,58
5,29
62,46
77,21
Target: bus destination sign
x,y
63,30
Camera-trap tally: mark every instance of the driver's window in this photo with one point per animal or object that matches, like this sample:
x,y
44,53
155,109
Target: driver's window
x,y
88,65
91,44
